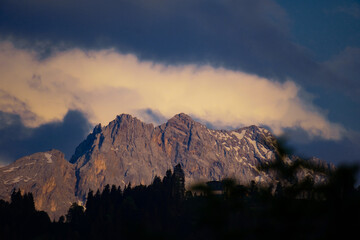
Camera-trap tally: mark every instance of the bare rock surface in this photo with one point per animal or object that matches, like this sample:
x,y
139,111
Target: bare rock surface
x,y
47,175
128,150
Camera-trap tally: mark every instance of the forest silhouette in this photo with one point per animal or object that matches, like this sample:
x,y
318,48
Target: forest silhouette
x,y
214,210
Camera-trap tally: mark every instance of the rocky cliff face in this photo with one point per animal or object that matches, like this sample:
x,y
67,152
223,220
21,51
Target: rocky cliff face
x,y
128,150
47,175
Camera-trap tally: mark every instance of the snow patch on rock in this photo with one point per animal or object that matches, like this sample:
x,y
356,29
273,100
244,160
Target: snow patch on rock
x,y
48,157
15,180
255,147
31,163
10,169
239,135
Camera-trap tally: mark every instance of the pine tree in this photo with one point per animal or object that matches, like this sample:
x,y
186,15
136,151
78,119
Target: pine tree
x,y
178,181
75,214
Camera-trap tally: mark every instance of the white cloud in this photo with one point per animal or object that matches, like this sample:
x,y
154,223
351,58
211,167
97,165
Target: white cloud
x,y
105,83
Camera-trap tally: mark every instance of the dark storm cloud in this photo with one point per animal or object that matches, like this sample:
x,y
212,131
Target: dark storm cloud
x,y
339,152
254,36
345,151
17,140
346,66
248,35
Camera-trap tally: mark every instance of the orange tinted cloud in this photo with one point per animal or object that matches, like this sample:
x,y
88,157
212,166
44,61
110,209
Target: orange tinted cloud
x,y
105,83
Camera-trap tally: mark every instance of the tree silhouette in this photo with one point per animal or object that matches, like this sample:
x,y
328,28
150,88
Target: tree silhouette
x,y
178,183
19,218
286,172
75,214
161,210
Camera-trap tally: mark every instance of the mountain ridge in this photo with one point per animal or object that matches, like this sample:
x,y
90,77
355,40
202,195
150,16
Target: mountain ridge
x,y
128,150
47,175
179,140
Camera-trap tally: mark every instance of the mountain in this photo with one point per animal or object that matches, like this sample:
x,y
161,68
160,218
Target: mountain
x,y
130,151
47,175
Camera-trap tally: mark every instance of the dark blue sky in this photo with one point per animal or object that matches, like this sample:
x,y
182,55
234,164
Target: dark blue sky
x,y
316,44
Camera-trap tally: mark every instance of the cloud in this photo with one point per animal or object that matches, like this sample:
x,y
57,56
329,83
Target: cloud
x,y
252,36
345,66
105,83
12,104
248,35
345,151
18,140
153,116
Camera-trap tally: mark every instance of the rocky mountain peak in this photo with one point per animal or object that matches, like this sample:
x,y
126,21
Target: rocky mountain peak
x,y
123,122
47,175
97,129
52,156
181,122
87,145
129,150
181,117
122,118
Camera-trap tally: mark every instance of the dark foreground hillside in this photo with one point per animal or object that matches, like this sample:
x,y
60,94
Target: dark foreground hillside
x,y
217,210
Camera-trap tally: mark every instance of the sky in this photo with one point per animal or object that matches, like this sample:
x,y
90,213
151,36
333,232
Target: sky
x,y
290,66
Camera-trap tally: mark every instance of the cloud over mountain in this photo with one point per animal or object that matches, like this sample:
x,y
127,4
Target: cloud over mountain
x,y
18,140
105,83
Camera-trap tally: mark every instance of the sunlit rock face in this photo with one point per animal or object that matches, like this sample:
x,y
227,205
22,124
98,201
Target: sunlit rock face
x,y
47,175
128,150
119,153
